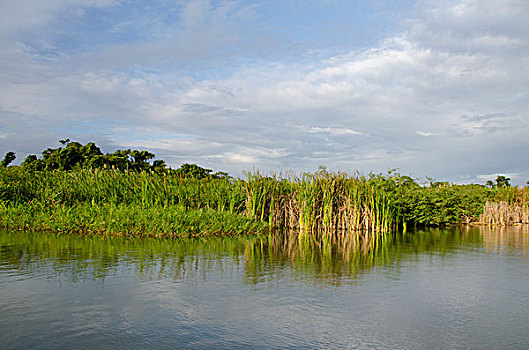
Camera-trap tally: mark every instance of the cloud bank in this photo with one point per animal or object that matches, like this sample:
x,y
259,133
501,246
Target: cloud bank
x,y
441,91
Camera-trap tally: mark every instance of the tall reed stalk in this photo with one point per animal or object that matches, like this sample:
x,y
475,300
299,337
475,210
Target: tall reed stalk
x,y
320,204
503,213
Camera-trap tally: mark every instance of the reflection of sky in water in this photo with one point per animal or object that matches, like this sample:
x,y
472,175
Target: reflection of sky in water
x,y
436,289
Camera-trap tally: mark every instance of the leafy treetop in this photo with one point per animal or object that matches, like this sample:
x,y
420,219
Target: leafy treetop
x,y
73,154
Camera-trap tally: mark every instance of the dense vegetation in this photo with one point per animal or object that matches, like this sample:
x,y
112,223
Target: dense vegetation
x,y
77,188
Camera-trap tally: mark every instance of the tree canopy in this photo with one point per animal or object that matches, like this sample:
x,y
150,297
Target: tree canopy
x,y
72,154
8,158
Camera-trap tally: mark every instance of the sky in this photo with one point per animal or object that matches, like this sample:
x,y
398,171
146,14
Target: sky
x,y
436,89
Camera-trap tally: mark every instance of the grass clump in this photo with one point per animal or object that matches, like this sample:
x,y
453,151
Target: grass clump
x,y
320,203
126,220
106,201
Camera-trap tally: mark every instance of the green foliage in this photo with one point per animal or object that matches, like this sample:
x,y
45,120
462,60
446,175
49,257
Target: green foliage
x,y
193,171
149,189
326,201
125,220
502,181
76,155
111,201
140,160
441,205
320,204
32,164
72,155
8,158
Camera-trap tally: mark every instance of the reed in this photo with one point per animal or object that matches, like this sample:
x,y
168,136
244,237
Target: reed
x,y
506,206
503,213
511,195
319,204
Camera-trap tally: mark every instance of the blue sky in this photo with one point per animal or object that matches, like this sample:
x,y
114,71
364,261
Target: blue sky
x,y
434,88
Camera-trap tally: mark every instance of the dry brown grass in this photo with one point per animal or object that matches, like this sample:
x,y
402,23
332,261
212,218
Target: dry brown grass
x,y
503,213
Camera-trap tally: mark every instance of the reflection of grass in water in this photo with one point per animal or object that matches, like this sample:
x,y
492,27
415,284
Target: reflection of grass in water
x,y
339,259
499,238
328,260
90,257
269,258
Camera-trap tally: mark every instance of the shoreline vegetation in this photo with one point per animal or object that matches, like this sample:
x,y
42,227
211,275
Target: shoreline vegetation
x,y
76,188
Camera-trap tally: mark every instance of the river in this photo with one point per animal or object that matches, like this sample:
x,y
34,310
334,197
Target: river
x,y
462,287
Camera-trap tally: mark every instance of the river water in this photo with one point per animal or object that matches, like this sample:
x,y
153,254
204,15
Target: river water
x,y
436,289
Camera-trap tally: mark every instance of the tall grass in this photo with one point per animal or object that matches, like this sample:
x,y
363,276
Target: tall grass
x,y
506,206
126,220
320,204
147,189
503,213
511,195
116,202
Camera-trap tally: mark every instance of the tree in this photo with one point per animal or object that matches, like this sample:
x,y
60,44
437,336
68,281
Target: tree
x,y
118,160
221,175
406,181
140,160
73,155
70,156
502,181
90,150
8,158
159,166
32,163
193,170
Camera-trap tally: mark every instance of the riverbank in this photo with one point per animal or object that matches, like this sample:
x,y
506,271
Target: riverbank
x,y
149,203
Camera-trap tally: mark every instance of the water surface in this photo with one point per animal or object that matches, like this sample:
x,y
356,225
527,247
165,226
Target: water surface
x,y
454,288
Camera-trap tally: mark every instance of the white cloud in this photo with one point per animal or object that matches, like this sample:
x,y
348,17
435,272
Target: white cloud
x,y
458,71
425,133
248,156
493,176
333,131
515,178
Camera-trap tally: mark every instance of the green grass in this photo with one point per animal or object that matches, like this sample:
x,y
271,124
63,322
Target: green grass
x,y
126,220
320,204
